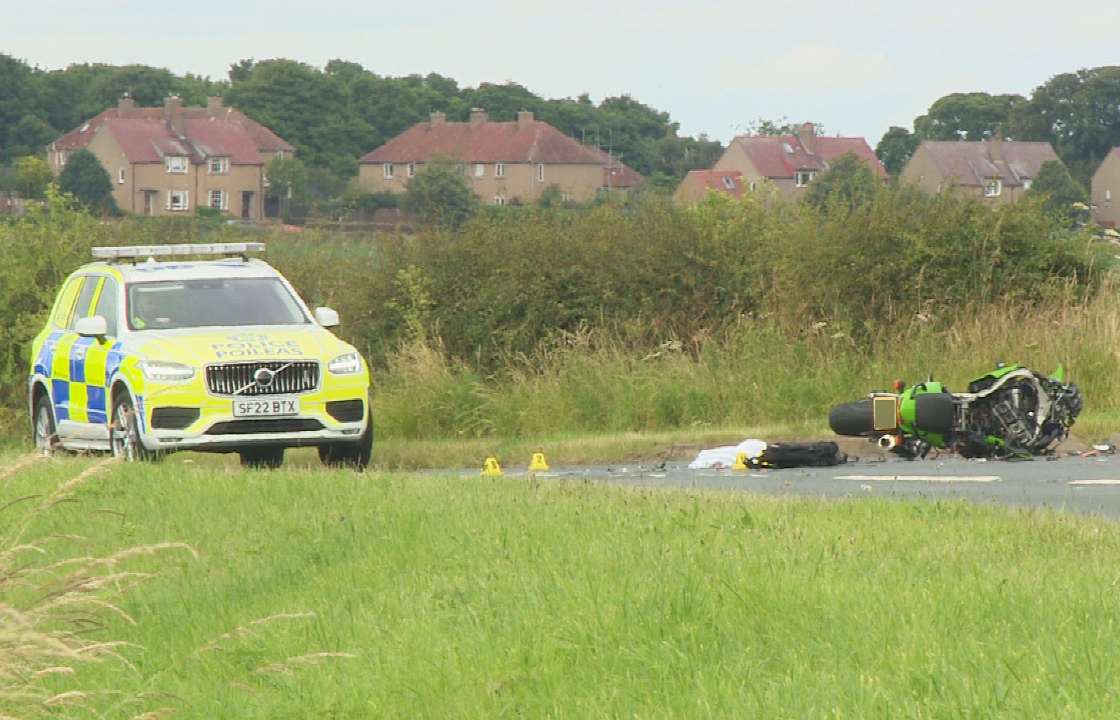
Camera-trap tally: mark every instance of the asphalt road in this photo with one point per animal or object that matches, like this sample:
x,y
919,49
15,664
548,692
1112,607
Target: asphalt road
x,y
1084,484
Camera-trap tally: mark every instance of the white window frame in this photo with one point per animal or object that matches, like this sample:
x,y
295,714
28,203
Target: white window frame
x,y
540,172
218,199
1107,195
479,170
120,176
217,165
992,188
387,171
178,200
499,170
411,169
803,178
177,164
499,200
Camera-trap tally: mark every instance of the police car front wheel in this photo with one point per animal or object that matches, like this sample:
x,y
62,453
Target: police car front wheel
x,y
124,433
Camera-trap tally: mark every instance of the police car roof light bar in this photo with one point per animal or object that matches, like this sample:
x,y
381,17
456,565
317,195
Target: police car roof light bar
x,y
136,252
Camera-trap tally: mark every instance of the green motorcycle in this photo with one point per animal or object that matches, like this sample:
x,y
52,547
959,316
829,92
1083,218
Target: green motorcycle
x,y
1011,411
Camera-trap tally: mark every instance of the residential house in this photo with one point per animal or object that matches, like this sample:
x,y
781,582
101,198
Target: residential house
x,y
791,162
169,160
505,162
1104,193
996,170
698,183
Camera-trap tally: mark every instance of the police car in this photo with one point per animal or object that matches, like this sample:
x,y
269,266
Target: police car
x,y
149,350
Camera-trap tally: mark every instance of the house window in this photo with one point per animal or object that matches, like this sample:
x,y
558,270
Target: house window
x,y
500,170
803,177
411,169
992,188
178,200
218,165
787,147
120,176
1026,184
1107,195
728,183
460,169
540,172
176,163
479,170
753,185
499,200
387,171
219,199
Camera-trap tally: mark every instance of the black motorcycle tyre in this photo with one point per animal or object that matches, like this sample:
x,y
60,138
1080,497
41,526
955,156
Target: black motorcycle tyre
x,y
852,418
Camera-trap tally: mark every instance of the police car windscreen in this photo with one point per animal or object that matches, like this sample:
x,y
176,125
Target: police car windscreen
x,y
212,302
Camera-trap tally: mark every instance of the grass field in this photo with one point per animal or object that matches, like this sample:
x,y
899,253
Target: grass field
x,y
312,593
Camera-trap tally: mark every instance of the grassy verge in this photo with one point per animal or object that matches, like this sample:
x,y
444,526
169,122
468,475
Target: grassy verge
x,y
335,594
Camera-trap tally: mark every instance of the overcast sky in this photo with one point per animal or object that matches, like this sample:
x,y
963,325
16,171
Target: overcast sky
x,y
856,67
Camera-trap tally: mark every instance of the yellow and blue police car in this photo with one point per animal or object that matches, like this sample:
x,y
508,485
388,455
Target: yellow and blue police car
x,y
150,350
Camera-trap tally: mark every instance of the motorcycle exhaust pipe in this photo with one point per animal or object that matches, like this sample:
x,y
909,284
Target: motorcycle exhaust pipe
x,y
888,441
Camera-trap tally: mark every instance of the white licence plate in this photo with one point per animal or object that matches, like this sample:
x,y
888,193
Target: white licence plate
x,y
265,407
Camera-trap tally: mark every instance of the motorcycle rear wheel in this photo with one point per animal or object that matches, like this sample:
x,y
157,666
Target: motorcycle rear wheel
x,y
852,418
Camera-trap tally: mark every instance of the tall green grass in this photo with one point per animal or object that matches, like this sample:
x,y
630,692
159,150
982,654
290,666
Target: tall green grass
x,y
336,594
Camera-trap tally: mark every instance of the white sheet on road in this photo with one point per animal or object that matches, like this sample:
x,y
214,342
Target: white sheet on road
x,y
725,456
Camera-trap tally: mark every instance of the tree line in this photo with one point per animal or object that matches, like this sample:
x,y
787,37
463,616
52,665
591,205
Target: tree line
x,y
337,114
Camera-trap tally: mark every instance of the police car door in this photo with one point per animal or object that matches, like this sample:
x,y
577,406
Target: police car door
x,y
79,373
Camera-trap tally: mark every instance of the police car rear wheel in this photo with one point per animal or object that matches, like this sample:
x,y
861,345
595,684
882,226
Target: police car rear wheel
x,y
124,433
44,431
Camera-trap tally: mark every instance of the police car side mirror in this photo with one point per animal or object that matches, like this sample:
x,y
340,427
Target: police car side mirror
x,y
326,317
95,326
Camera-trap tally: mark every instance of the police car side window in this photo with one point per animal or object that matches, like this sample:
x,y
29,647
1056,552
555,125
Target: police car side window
x,y
107,305
65,306
85,299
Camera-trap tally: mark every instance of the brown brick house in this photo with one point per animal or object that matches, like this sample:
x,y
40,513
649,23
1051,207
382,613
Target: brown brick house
x,y
698,183
504,162
170,160
1105,191
996,170
791,162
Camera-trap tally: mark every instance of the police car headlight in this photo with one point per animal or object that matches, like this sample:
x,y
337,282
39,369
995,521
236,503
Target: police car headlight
x,y
166,371
348,364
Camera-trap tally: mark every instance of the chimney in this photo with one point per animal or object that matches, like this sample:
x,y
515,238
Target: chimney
x,y
995,148
806,136
213,104
173,114
478,116
126,103
524,119
436,118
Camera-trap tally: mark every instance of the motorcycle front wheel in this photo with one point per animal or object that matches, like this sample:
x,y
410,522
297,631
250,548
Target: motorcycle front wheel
x,y
852,418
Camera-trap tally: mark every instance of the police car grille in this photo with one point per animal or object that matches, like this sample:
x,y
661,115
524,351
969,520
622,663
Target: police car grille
x,y
239,378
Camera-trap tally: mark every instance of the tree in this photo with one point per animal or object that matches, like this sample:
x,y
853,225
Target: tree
x,y
287,179
1078,114
1062,193
439,195
87,180
18,104
34,177
966,116
895,148
760,126
848,183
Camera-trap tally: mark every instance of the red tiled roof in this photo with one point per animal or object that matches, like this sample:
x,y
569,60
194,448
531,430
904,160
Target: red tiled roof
x,y
728,182
487,142
196,119
780,156
970,163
